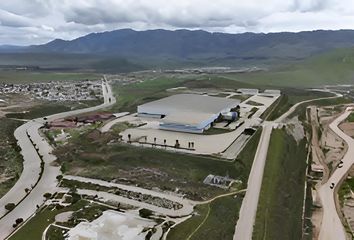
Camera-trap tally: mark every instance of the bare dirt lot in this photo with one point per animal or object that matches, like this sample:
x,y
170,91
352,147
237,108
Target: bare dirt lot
x,y
348,128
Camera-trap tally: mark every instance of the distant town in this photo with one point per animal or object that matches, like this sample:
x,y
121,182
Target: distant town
x,y
57,91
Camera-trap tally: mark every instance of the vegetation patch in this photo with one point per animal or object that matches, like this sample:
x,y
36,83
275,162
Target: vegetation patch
x,y
351,118
279,213
213,220
11,160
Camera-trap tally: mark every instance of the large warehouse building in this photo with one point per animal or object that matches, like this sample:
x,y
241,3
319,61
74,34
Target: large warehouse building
x,y
187,112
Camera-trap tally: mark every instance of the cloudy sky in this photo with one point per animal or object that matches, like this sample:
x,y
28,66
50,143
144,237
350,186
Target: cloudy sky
x,y
24,22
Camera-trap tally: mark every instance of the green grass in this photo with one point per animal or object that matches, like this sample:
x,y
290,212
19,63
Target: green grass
x,y
334,67
48,108
213,131
244,160
300,111
34,228
55,233
89,155
279,213
146,167
35,77
289,98
184,229
215,220
345,189
11,160
351,118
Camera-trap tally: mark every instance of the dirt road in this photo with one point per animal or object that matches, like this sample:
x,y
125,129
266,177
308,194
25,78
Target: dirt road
x,y
332,227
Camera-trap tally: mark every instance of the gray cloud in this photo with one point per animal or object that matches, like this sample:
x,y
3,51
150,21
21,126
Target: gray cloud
x,y
38,21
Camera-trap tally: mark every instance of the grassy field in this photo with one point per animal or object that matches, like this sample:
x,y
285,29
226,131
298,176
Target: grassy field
x,y
210,218
279,213
345,189
289,98
300,111
215,220
89,155
351,118
45,108
335,67
244,160
11,160
35,227
35,77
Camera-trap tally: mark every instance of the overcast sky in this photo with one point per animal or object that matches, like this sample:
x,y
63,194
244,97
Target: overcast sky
x,y
24,22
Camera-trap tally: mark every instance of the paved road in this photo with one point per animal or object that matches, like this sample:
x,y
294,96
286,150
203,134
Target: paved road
x,y
292,109
248,211
244,227
119,118
25,135
331,227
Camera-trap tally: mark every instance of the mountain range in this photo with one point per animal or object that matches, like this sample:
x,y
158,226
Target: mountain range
x,y
201,44
201,47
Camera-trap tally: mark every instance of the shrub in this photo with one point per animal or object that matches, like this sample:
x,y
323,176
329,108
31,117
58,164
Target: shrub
x,y
145,213
10,206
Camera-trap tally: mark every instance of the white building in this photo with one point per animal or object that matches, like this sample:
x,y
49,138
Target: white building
x,y
187,112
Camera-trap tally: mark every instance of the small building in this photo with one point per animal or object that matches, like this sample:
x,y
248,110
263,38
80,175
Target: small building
x,y
187,112
248,91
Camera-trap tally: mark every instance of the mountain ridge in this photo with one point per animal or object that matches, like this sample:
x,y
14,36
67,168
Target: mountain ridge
x,y
184,44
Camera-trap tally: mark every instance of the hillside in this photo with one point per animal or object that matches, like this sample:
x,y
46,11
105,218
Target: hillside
x,y
185,44
333,67
128,50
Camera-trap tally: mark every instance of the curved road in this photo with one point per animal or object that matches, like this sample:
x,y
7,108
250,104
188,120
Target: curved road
x,y
29,139
332,227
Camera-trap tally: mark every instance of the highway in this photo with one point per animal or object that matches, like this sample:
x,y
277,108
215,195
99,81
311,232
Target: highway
x,y
332,227
28,138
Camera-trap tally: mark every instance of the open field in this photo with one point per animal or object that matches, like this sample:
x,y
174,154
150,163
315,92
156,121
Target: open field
x,y
289,98
214,220
334,67
89,155
47,76
45,108
301,110
279,213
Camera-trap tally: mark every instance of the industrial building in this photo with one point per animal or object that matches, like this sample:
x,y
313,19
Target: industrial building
x,y
188,112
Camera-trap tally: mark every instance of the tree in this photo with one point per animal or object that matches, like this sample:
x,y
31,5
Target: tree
x,y
145,213
47,195
10,206
19,220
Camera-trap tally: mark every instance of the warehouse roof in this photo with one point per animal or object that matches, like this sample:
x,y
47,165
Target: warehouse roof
x,y
192,103
187,118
